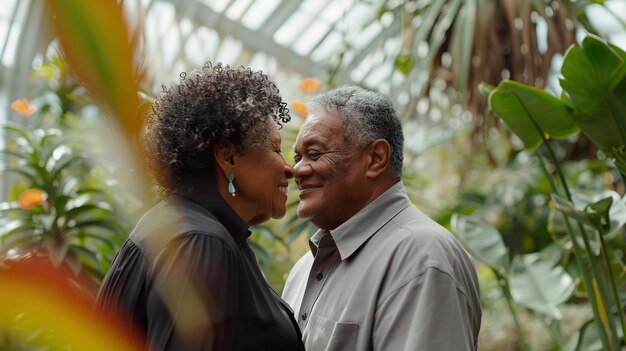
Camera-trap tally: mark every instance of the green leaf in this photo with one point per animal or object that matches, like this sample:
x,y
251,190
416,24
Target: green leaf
x,y
86,256
16,154
599,211
65,162
56,251
17,229
404,63
100,237
594,78
30,176
604,208
566,211
540,286
305,226
76,212
482,240
462,42
485,88
18,130
103,224
532,113
570,210
261,254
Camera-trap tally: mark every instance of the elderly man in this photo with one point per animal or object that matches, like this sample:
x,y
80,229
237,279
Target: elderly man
x,y
381,275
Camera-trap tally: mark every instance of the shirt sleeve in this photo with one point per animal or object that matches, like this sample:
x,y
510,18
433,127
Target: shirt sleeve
x,y
427,312
192,302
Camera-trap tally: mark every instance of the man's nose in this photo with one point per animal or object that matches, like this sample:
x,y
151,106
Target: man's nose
x,y
301,169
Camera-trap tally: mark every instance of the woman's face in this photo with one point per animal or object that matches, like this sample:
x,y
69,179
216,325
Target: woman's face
x,y
261,178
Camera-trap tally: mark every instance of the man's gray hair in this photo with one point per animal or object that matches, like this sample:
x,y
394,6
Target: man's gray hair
x,y
366,116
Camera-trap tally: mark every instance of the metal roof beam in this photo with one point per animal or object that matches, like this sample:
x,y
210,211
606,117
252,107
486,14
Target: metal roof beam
x,y
279,16
203,15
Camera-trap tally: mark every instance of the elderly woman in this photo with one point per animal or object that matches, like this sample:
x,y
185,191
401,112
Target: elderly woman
x,y
186,277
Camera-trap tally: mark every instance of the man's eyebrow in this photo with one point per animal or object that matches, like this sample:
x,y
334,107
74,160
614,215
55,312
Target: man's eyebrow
x,y
308,142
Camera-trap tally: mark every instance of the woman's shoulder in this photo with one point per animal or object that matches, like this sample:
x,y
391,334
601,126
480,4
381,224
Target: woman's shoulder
x,y
171,219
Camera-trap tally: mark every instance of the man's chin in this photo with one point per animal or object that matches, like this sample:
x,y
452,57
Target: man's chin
x,y
304,212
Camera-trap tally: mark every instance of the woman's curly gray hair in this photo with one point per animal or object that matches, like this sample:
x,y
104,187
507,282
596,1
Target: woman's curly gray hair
x,y
190,117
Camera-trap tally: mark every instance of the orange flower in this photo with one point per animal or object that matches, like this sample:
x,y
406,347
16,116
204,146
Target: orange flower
x,y
30,198
309,85
23,107
300,108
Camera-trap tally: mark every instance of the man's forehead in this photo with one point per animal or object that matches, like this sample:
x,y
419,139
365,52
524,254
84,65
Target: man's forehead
x,y
315,130
310,137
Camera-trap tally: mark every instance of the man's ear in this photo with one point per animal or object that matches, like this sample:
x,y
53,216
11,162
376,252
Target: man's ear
x,y
224,154
379,152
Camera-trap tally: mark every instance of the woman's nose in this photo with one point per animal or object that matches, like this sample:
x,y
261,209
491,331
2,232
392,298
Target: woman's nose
x,y
289,172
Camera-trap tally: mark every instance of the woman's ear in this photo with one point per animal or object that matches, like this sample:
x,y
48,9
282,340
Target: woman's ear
x,y
224,154
379,152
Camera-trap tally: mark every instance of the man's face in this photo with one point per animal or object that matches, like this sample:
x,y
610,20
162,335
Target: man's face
x,y
329,172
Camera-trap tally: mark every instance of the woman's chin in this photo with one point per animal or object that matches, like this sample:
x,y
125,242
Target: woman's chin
x,y
279,213
258,219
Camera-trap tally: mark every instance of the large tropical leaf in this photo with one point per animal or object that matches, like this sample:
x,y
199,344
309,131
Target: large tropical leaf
x,y
532,113
594,78
482,240
540,286
605,208
560,226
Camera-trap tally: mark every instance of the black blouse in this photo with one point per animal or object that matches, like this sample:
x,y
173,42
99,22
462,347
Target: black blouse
x,y
187,279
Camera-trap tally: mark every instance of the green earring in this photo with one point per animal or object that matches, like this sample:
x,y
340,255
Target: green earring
x,y
231,186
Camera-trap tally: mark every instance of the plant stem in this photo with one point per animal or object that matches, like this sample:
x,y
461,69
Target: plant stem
x,y
597,272
504,285
607,340
612,281
555,330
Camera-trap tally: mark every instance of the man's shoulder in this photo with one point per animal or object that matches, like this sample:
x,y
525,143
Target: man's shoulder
x,y
413,226
419,242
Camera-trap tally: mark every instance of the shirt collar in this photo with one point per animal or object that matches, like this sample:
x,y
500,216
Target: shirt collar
x,y
201,191
353,233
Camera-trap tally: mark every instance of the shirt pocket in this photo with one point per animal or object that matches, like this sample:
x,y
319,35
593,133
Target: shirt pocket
x,y
328,335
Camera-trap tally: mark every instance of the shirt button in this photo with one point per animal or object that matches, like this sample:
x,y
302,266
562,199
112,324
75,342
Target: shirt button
x,y
304,316
319,276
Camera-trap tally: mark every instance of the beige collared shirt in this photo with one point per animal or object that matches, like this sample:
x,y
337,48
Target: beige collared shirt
x,y
389,278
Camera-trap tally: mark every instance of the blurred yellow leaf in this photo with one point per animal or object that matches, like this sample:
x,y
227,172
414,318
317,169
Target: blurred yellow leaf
x,y
53,307
309,85
300,108
23,107
96,43
30,198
